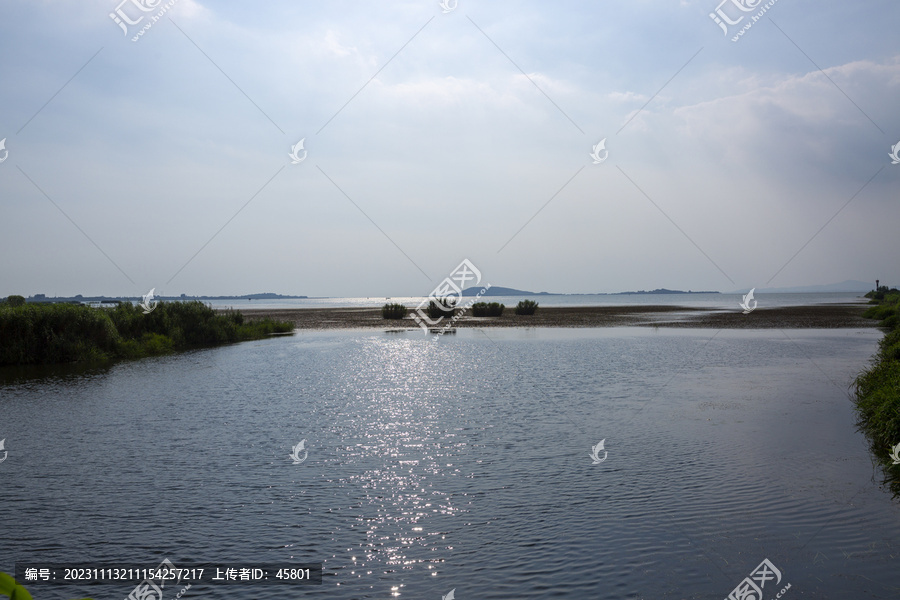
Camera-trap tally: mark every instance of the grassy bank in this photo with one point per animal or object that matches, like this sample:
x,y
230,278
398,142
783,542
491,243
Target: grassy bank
x,y
878,388
11,588
33,334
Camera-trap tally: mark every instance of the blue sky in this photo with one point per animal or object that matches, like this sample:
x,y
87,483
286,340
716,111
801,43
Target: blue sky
x,y
432,137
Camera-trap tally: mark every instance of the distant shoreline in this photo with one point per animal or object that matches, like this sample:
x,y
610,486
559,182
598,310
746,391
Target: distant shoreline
x,y
819,316
44,299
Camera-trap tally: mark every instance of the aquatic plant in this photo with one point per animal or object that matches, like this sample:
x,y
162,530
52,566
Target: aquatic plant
x,y
526,307
878,387
444,307
55,333
487,309
393,311
44,333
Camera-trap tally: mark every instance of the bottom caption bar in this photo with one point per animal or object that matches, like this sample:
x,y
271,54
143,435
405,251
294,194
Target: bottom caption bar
x,y
167,574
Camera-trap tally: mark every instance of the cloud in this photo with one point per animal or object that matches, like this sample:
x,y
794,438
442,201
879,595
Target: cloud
x,y
808,118
331,44
444,143
626,97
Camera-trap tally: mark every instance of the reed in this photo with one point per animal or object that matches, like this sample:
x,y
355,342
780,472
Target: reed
x,y
526,307
444,307
39,333
877,394
487,309
393,311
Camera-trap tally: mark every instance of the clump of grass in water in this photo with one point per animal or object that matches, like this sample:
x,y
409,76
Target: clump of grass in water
x,y
878,387
526,307
486,309
393,311
444,307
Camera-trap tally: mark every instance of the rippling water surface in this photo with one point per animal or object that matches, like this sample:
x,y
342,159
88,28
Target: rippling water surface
x,y
462,463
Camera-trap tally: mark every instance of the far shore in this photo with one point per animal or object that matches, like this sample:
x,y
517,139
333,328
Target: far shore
x,y
818,316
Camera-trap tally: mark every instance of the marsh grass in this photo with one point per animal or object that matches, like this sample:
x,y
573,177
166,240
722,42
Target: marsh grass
x,y
487,309
61,333
9,587
526,307
393,311
444,307
878,387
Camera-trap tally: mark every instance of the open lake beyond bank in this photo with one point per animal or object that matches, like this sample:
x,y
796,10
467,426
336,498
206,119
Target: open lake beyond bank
x,y
463,463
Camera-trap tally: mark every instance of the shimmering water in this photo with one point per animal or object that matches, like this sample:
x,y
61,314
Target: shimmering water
x,y
462,464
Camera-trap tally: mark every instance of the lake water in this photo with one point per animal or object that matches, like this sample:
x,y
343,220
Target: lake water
x,y
706,301
462,464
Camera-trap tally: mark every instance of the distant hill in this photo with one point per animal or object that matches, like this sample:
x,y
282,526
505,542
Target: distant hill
x,y
183,297
505,291
502,291
663,291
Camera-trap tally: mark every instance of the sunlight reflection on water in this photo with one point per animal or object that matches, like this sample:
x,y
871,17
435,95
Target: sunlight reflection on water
x,y
463,462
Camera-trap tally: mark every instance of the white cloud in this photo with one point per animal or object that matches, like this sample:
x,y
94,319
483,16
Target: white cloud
x,y
190,9
736,146
331,44
626,97
805,116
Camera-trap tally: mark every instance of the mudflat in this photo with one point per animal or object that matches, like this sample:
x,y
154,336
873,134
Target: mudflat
x,y
818,316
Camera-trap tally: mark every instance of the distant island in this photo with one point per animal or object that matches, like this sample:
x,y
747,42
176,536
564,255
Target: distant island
x,y
663,291
505,291
502,291
183,298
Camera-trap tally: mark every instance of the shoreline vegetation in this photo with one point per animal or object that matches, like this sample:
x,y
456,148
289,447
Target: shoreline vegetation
x,y
43,333
819,316
14,591
57,333
878,387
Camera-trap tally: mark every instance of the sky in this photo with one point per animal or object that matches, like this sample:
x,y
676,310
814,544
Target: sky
x,y
437,133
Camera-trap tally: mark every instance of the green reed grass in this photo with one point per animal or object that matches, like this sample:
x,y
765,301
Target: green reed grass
x,y
9,587
878,387
444,307
38,333
393,311
487,309
526,307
